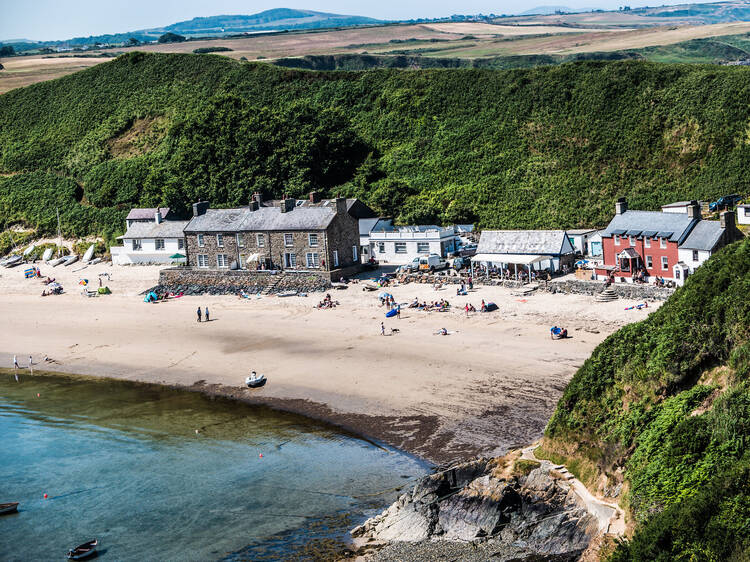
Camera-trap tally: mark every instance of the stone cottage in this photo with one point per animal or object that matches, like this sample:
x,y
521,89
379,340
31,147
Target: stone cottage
x,y
287,235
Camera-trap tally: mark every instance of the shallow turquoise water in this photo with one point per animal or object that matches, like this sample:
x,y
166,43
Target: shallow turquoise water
x,y
122,462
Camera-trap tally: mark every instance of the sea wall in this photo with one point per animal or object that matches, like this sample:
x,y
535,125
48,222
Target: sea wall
x,y
633,291
217,282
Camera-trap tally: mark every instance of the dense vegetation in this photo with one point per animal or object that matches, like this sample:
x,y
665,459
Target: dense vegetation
x,y
542,147
667,400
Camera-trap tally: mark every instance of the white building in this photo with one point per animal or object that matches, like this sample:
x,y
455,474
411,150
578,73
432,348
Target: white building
x,y
677,207
595,245
579,238
401,244
150,240
705,239
743,214
519,250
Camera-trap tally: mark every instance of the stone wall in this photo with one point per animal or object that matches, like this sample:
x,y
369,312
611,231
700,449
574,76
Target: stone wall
x,y
195,281
622,290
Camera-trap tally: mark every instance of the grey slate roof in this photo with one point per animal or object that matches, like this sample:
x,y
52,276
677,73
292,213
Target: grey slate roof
x,y
144,214
166,229
547,242
264,219
580,231
678,225
704,236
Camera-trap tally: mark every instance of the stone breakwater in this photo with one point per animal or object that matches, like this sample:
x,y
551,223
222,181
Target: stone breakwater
x,y
486,508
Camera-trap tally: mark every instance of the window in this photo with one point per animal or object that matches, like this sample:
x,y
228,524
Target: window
x,y
632,240
662,242
695,255
399,247
136,245
220,240
241,261
180,243
312,239
335,258
201,241
664,263
647,242
202,260
288,240
649,262
381,247
747,211
221,260
260,240
290,260
240,239
354,253
617,239
423,247
159,242
312,260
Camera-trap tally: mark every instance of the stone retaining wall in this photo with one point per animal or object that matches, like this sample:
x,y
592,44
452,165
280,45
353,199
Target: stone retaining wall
x,y
215,282
622,290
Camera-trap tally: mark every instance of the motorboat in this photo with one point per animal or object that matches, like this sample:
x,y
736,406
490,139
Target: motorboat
x,y
255,380
83,551
6,508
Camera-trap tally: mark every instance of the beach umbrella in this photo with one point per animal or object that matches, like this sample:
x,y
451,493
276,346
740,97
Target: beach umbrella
x,y
177,256
384,295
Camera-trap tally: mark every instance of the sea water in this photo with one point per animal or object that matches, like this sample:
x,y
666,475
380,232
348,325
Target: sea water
x,y
122,463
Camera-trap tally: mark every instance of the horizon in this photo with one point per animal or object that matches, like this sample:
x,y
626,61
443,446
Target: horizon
x,y
47,20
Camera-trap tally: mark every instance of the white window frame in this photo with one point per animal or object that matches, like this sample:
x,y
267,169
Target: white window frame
x,y
221,261
260,240
241,261
312,240
381,247
665,263
159,243
647,241
649,262
397,245
201,241
180,244
617,239
313,260
288,240
335,258
202,260
354,254
632,241
219,240
662,242
427,251
240,240
290,260
137,245
696,256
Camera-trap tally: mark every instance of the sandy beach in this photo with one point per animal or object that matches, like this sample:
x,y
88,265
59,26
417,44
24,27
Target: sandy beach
x,y
489,385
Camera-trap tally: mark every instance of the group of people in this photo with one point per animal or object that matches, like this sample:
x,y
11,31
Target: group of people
x,y
202,315
557,333
327,302
441,306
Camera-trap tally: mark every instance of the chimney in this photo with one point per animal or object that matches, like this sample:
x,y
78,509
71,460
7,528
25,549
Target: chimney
x,y
314,197
258,198
340,205
287,204
727,220
253,206
621,206
694,210
157,216
200,208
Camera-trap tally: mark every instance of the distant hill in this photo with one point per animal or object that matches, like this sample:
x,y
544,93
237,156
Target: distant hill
x,y
546,10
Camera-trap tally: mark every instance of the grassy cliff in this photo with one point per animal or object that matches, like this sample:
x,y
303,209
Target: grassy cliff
x,y
663,407
542,147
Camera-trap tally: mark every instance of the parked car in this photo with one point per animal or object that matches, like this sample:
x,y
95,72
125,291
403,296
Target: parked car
x,y
725,202
432,262
458,263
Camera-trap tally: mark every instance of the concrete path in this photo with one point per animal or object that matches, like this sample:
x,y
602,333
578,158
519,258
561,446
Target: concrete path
x,y
610,516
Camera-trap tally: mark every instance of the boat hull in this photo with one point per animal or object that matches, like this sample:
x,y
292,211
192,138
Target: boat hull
x,y
6,508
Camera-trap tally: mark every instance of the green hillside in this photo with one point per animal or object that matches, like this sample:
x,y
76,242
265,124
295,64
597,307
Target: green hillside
x,y
542,147
664,405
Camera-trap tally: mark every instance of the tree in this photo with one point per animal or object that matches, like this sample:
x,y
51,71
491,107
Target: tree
x,y
132,42
7,51
170,37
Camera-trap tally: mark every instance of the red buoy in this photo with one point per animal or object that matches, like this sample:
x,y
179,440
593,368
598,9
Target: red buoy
x,y
38,395
45,496
260,456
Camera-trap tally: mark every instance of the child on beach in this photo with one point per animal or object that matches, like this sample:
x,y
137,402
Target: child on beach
x,y
207,314
199,314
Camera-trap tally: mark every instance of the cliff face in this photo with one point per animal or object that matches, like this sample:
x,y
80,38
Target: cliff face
x,y
484,507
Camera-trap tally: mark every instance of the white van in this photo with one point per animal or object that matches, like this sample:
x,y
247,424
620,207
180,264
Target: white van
x,y
432,263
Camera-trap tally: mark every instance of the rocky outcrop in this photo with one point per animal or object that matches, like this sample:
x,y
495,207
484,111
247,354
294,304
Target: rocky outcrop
x,y
482,502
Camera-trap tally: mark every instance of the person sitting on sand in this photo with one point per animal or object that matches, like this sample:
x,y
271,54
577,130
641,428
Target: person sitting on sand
x,y
45,293
443,332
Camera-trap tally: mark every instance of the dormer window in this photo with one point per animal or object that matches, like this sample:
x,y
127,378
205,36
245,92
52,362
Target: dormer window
x,y
662,243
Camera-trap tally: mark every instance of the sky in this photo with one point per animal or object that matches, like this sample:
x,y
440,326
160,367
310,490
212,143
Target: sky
x,y
47,20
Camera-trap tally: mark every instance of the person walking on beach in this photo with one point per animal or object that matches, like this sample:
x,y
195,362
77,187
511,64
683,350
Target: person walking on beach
x,y
30,365
398,311
207,314
15,362
199,314
382,329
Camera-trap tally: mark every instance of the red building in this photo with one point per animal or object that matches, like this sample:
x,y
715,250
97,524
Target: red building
x,y
650,244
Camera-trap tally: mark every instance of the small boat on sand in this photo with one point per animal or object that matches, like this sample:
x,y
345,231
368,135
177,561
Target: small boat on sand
x,y
47,254
95,261
6,508
70,260
255,380
83,551
89,253
28,250
12,261
287,294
